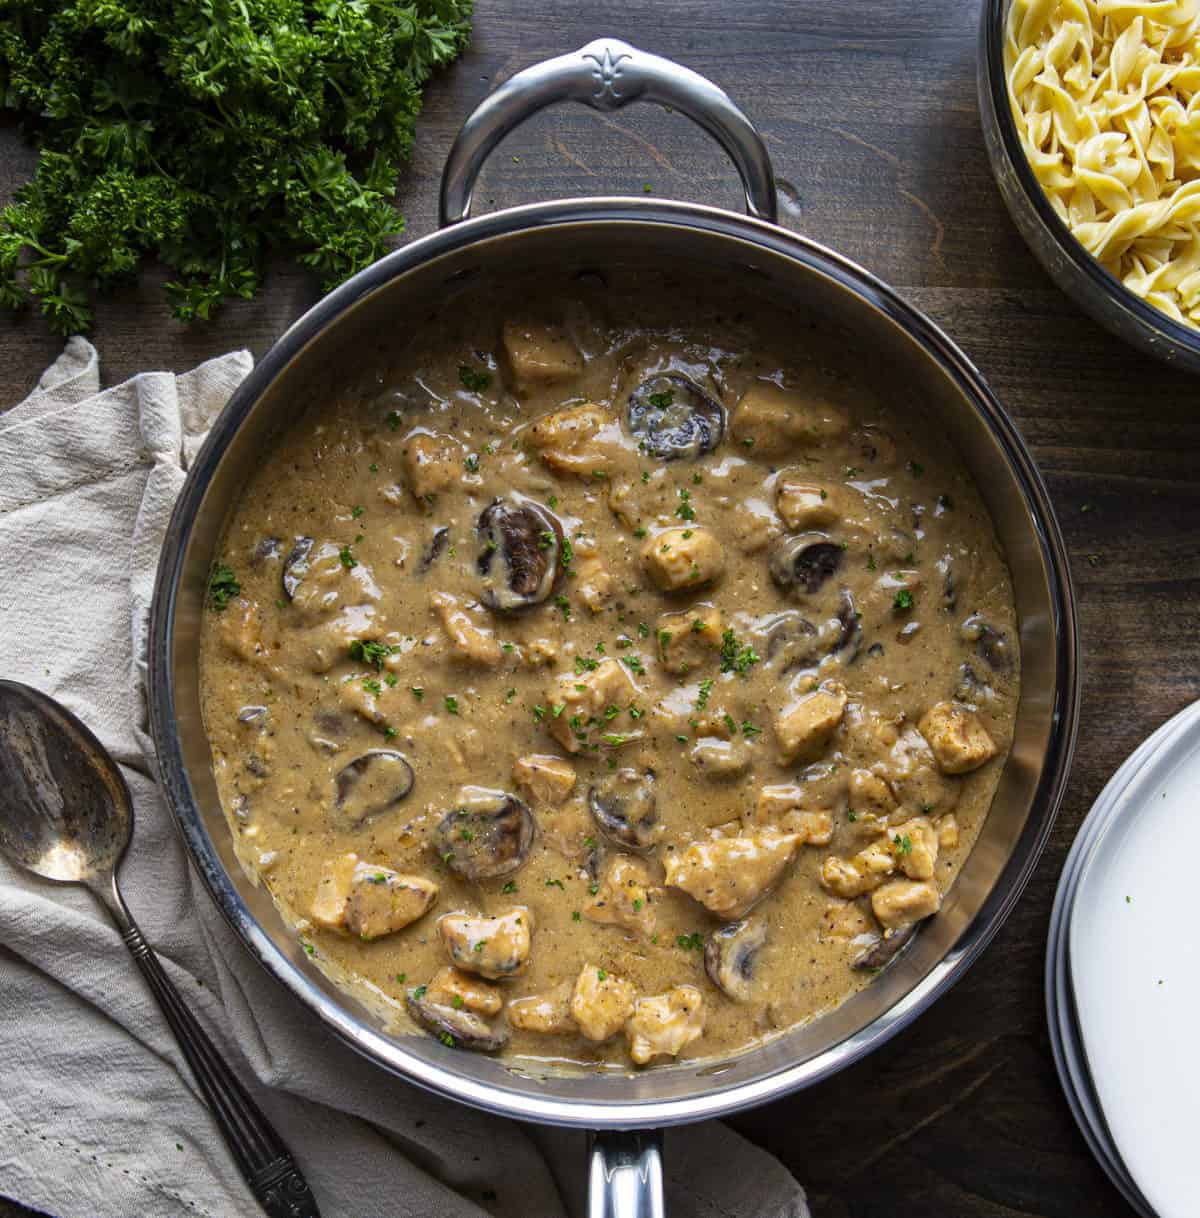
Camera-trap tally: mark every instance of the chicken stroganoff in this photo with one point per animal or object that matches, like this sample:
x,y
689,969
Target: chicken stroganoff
x,y
607,674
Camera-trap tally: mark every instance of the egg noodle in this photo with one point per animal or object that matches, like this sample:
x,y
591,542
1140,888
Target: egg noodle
x,y
1106,98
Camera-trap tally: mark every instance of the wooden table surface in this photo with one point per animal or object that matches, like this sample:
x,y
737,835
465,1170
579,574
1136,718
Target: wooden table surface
x,y
869,112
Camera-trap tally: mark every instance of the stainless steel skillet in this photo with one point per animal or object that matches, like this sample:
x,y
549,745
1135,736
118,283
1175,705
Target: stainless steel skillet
x,y
588,235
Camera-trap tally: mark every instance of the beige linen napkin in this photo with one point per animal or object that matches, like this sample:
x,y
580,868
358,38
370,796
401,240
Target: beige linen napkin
x,y
99,1116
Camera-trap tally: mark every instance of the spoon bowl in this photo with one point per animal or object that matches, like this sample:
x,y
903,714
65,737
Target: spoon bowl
x,y
65,811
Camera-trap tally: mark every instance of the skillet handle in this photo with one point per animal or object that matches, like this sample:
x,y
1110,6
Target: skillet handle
x,y
625,1174
606,75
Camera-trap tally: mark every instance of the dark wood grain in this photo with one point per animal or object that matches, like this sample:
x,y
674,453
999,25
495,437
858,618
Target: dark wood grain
x,y
869,113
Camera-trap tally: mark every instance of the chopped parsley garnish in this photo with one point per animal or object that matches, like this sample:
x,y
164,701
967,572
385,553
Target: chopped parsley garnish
x,y
452,704
903,844
566,553
585,664
601,974
916,468
661,401
576,916
393,419
639,532
456,1002
643,630
685,511
749,730
852,816
347,559
509,695
702,696
736,657
634,664
419,992
390,733
309,950
730,723
691,943
564,606
471,464
369,651
356,511
539,713
417,692
555,884
222,587
472,380
902,601
372,686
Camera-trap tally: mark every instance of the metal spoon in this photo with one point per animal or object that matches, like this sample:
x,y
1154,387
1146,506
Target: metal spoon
x,y
66,815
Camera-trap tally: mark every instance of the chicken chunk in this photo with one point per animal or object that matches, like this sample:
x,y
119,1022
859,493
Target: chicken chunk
x,y
870,795
905,901
432,462
601,1002
688,639
916,779
959,740
665,1024
850,878
471,643
594,580
812,828
549,1013
843,920
803,728
241,627
586,696
915,843
383,901
683,558
492,947
575,440
544,778
803,504
367,899
539,354
329,904
729,875
453,988
947,832
624,896
782,805
772,422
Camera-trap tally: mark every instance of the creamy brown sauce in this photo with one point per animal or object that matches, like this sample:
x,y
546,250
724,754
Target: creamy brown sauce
x,y
823,702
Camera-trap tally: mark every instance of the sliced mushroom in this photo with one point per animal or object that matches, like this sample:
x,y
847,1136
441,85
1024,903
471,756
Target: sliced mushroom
x,y
990,643
674,418
489,834
884,950
457,1028
519,561
945,568
971,688
849,637
295,566
804,563
729,957
492,947
625,808
435,549
267,549
372,783
790,641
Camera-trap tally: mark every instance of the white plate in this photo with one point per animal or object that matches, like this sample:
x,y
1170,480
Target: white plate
x,y
1069,1060
1134,968
1060,1010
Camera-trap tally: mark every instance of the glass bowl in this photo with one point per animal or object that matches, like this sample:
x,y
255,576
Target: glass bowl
x,y
1076,272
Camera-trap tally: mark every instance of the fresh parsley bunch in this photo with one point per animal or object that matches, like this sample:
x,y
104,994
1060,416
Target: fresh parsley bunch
x,y
208,133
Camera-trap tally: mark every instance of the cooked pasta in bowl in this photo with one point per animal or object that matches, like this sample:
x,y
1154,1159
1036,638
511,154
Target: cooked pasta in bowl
x,y
1092,116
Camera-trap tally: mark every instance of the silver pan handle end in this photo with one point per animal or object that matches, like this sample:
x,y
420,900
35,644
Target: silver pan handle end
x,y
625,1174
606,75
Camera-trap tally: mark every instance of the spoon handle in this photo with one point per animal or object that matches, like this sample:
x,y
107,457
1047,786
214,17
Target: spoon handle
x,y
264,1160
